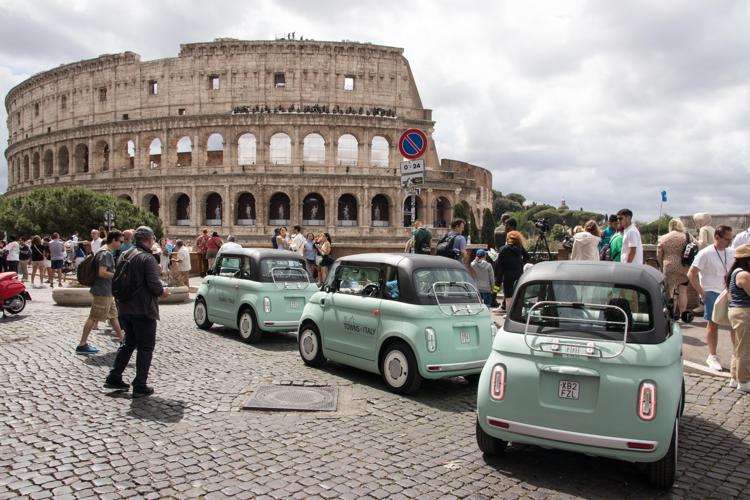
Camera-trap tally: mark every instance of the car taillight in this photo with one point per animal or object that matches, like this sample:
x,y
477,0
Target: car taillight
x,y
266,304
431,338
497,384
647,400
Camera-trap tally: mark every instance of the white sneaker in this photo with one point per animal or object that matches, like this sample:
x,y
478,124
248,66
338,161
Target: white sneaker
x,y
743,386
733,383
713,362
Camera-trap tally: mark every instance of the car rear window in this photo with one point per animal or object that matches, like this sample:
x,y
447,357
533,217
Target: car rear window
x,y
445,286
573,306
283,270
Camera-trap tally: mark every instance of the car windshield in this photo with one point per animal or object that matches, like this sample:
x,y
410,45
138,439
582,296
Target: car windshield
x,y
283,270
445,286
577,306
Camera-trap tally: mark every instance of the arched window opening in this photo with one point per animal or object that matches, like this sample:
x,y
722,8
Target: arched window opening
x,y
215,150
379,152
125,197
279,210
281,149
151,204
36,166
82,159
380,211
101,156
443,212
63,160
184,152
246,210
131,154
412,204
48,163
26,168
347,210
182,210
348,150
154,154
313,210
214,210
314,149
246,149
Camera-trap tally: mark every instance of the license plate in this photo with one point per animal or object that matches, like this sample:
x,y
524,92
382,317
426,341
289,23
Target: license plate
x,y
465,338
568,390
294,304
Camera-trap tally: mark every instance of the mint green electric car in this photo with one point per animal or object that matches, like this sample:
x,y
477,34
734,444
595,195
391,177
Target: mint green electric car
x,y
589,360
406,317
254,291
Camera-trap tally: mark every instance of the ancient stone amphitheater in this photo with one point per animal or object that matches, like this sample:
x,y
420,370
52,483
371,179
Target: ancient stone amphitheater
x,y
241,137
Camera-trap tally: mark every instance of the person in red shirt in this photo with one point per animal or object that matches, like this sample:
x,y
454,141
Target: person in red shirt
x,y
212,248
200,244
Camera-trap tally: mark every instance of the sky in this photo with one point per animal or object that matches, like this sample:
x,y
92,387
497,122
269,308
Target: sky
x,y
602,103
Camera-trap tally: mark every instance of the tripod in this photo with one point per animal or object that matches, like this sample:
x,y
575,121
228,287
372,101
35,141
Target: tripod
x,y
541,251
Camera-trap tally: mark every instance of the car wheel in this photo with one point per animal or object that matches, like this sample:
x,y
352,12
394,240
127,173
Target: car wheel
x,y
399,369
249,331
488,444
662,472
200,315
310,346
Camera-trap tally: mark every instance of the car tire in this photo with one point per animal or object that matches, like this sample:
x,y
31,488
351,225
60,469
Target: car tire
x,y
247,327
399,369
200,314
662,472
487,444
310,346
473,379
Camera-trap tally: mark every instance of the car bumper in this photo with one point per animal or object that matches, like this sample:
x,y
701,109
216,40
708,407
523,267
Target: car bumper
x,y
281,326
453,368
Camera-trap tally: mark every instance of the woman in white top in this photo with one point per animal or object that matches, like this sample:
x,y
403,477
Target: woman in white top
x,y
586,243
164,257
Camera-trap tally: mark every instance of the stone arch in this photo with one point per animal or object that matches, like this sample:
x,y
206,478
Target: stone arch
x,y
247,149
313,210
245,214
347,210
125,197
182,209
129,151
81,159
63,161
215,150
279,209
314,149
48,163
281,149
443,212
184,152
151,204
379,151
380,211
213,209
347,151
26,172
419,209
101,156
154,153
36,165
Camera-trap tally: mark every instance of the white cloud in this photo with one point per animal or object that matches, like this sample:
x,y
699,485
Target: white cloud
x,y
605,103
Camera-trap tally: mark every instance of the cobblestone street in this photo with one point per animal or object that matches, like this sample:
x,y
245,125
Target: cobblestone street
x,y
63,435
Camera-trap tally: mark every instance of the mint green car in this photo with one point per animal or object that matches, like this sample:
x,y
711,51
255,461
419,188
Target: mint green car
x,y
589,360
255,291
406,317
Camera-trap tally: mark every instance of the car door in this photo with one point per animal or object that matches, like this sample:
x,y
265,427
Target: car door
x,y
352,316
223,292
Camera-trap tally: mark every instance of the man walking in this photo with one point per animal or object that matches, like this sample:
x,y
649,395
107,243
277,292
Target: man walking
x,y
632,247
707,275
139,313
202,247
103,306
57,259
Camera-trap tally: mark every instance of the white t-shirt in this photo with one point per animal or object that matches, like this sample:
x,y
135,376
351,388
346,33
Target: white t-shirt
x,y
713,265
631,238
14,250
96,245
298,244
184,257
228,246
742,238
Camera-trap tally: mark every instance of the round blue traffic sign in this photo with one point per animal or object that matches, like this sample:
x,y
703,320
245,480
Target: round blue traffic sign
x,y
413,144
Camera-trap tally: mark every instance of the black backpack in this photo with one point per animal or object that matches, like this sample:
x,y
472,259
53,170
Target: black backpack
x,y
124,281
88,270
689,252
444,247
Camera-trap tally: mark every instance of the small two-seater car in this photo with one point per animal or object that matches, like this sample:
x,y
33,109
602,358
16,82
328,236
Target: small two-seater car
x,y
254,291
404,316
588,360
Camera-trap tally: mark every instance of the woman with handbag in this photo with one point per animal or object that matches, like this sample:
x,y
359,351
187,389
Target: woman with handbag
x,y
738,290
669,253
323,246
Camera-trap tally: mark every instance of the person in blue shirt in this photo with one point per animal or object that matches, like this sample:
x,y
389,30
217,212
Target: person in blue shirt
x,y
608,232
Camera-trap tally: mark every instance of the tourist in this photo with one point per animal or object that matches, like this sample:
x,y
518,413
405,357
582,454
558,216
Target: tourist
x,y
24,256
103,306
608,232
586,243
485,276
164,258
57,260
274,244
80,253
96,241
181,263
707,274
323,247
297,242
501,232
738,282
615,245
282,242
669,252
310,253
742,238
705,230
422,238
510,263
213,244
38,261
3,256
231,244
632,248
202,249
454,243
138,316
12,255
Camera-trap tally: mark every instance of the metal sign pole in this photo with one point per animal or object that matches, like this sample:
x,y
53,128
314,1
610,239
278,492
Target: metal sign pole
x,y
413,208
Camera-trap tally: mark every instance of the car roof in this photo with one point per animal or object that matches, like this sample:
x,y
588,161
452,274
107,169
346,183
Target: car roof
x,y
595,271
263,253
404,260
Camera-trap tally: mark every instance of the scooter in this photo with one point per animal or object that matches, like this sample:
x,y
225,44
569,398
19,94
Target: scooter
x,y
13,294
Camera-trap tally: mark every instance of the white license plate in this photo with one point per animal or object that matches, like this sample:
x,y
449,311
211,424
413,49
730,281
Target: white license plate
x,y
465,337
294,304
568,390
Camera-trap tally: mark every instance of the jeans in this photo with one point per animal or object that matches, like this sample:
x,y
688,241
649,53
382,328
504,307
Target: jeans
x,y
140,334
486,298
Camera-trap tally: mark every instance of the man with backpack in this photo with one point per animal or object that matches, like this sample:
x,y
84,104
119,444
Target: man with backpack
x,y
453,244
102,266
137,288
422,238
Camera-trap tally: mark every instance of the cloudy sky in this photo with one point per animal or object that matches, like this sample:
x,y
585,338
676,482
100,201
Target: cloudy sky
x,y
603,103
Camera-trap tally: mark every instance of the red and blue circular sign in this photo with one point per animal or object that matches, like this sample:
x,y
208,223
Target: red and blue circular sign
x,y
413,144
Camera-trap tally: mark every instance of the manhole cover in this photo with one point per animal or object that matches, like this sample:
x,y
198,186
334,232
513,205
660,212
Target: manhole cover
x,y
293,398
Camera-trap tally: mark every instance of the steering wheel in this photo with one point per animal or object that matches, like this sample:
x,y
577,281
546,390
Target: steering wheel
x,y
370,290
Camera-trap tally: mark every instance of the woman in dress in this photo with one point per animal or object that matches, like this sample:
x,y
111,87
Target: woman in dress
x,y
282,242
323,247
669,254
510,261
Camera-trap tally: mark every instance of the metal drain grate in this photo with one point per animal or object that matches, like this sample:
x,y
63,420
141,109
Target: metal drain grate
x,y
293,398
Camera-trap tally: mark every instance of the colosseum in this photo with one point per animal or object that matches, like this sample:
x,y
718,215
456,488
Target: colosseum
x,y
242,137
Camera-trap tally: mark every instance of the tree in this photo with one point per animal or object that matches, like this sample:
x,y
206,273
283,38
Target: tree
x,y
473,229
651,231
518,198
488,228
460,212
66,210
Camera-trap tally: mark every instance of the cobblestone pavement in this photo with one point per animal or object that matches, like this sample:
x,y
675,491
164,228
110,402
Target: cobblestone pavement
x,y
62,435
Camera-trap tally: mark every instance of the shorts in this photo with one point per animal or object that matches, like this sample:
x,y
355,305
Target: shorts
x,y
103,308
708,302
38,265
57,264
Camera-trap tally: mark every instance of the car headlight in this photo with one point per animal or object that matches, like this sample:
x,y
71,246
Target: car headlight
x,y
494,329
431,338
266,304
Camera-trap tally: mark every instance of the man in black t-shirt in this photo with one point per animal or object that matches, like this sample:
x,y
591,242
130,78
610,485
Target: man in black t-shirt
x,y
24,255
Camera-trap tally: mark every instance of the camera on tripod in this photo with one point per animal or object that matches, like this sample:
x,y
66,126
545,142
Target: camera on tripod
x,y
542,225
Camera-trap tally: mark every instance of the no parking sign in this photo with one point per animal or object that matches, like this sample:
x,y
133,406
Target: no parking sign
x,y
413,144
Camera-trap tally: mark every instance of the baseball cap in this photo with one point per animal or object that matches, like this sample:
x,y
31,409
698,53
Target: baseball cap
x,y
481,252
